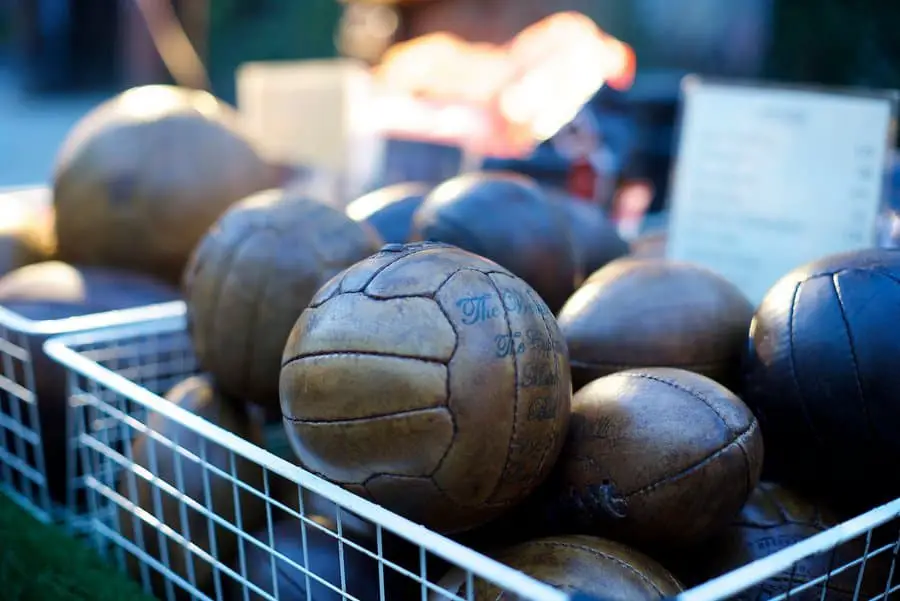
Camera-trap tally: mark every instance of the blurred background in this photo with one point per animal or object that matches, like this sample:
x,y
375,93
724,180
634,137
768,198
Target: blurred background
x,y
59,58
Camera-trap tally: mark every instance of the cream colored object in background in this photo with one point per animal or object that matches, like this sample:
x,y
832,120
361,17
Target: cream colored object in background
x,y
313,114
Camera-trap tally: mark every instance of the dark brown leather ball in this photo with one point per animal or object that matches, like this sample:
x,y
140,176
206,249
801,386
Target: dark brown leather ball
x,y
508,219
657,457
140,179
53,290
585,564
390,210
190,478
821,376
655,313
252,276
431,380
595,237
320,553
773,519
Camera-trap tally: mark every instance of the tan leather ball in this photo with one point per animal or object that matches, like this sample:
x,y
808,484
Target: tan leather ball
x,y
585,564
252,276
140,178
431,380
27,232
187,476
655,313
774,519
657,457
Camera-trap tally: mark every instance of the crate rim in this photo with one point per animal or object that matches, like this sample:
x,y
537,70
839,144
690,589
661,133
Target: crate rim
x,y
104,319
173,321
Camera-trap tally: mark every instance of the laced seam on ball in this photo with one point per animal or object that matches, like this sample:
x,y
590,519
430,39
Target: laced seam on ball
x,y
792,364
365,418
621,366
738,441
362,354
597,553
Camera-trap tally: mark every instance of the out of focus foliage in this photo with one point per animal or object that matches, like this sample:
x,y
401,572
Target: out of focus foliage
x,y
255,30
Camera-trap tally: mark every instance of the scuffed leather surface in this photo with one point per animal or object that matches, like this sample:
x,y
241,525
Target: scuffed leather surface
x,y
195,394
390,210
508,219
655,313
658,458
430,380
593,566
252,276
139,192
821,374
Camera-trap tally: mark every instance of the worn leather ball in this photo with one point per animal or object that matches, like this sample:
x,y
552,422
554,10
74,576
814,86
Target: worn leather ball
x,y
186,476
54,290
773,519
820,375
596,240
574,564
140,179
508,219
430,380
657,457
390,210
656,313
252,276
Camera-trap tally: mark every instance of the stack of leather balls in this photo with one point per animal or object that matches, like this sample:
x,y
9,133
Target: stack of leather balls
x,y
435,377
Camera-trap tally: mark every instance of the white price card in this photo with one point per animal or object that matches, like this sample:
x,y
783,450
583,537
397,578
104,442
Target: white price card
x,y
769,178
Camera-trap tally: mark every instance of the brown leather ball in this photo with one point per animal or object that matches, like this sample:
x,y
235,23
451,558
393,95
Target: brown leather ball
x,y
656,313
585,564
773,519
252,276
140,179
596,240
320,552
508,219
657,457
430,380
27,232
197,395
54,290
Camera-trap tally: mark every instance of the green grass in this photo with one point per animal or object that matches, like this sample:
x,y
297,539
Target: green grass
x,y
42,563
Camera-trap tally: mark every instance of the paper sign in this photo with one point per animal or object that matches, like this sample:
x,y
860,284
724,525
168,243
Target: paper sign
x,y
768,178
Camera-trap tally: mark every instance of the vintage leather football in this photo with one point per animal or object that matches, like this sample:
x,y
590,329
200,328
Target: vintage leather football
x,y
773,519
602,568
596,239
54,290
188,476
508,219
821,376
320,554
390,210
655,313
140,178
430,380
656,457
252,276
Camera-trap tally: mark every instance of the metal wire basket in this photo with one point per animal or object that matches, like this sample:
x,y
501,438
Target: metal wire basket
x,y
207,514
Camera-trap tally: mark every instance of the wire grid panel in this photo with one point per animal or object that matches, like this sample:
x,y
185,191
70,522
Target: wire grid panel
x,y
191,510
34,470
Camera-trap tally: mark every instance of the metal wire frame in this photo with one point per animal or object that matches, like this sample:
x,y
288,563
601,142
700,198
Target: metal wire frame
x,y
115,376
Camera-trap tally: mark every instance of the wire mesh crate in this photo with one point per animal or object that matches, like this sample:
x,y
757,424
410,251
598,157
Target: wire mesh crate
x,y
191,510
33,427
